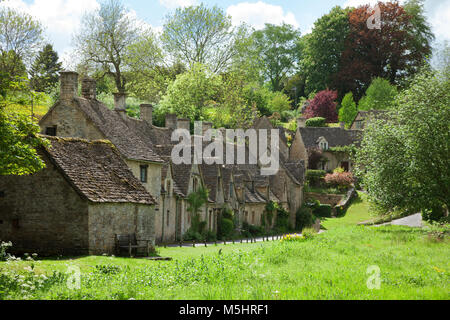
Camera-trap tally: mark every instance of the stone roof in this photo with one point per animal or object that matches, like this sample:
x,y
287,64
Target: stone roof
x,y
253,196
96,170
371,114
335,136
129,135
296,169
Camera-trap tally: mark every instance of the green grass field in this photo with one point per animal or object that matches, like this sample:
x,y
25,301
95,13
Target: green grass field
x,y
332,265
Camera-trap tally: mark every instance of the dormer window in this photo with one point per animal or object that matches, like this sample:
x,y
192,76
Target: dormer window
x,y
144,170
323,143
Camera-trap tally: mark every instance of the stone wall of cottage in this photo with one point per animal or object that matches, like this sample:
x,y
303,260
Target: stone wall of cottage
x,y
153,184
108,219
43,214
331,199
70,121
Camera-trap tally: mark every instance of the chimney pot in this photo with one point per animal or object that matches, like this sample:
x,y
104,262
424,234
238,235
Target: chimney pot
x,y
69,85
171,121
89,88
184,124
147,113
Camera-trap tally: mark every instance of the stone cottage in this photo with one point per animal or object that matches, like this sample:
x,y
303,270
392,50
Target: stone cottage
x,y
364,117
324,139
85,195
146,150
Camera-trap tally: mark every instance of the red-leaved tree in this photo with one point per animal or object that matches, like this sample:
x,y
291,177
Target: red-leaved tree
x,y
323,105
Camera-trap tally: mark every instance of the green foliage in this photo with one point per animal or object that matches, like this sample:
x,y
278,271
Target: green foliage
x,y
195,201
315,177
436,213
201,35
225,228
309,233
278,49
316,122
45,70
323,49
282,224
379,96
323,211
348,111
404,161
304,218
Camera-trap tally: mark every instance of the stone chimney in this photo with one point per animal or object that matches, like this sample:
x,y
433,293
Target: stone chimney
x,y
301,122
89,88
69,85
184,124
206,126
342,125
171,121
146,113
120,103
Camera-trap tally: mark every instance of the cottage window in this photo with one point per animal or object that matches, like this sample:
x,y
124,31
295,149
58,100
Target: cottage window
x,y
324,145
1,221
50,131
168,216
144,169
2,194
253,217
15,223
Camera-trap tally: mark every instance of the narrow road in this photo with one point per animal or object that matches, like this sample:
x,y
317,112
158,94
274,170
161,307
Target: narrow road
x,y
414,221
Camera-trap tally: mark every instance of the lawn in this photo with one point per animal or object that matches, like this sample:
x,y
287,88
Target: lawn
x,y
358,212
333,265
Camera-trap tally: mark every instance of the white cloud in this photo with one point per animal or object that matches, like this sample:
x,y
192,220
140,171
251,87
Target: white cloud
x,y
60,19
171,4
258,13
439,17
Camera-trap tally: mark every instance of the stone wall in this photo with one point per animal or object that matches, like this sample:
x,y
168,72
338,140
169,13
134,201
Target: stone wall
x,y
331,199
108,219
43,214
70,122
153,185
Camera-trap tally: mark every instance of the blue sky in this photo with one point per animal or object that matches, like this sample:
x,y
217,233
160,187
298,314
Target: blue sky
x,y
61,18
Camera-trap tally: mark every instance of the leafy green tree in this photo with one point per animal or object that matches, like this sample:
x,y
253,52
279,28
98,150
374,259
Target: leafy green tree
x,y
323,48
195,201
405,161
277,47
198,34
192,93
45,70
18,134
379,96
104,38
348,110
20,33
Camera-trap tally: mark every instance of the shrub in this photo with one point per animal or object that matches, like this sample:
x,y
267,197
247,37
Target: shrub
x,y
251,230
3,250
315,177
282,223
292,238
323,105
323,211
304,218
191,235
209,236
340,180
437,213
226,228
316,122
309,233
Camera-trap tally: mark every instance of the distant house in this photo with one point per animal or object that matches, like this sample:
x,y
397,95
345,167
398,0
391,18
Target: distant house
x,y
324,139
364,117
76,205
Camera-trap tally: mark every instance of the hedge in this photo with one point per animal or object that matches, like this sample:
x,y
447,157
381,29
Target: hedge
x,y
323,211
315,177
316,122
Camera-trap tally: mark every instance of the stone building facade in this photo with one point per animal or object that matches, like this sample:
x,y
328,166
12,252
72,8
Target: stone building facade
x,y
76,205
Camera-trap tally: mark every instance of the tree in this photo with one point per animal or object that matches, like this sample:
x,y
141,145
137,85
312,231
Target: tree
x,y
323,48
405,161
323,105
379,96
19,140
20,37
45,70
394,52
192,93
348,111
105,37
198,34
277,47
195,201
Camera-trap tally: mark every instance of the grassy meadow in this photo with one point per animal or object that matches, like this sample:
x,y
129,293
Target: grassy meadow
x,y
332,265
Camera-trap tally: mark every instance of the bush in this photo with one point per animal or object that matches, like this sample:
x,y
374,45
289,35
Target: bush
x,y
341,180
437,214
251,230
192,235
210,236
316,122
304,218
323,211
226,227
315,177
282,224
309,233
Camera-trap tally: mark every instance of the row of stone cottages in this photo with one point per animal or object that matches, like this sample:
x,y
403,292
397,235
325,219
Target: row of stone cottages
x,y
108,174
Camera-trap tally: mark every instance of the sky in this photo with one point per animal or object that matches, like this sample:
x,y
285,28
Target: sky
x,y
61,18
